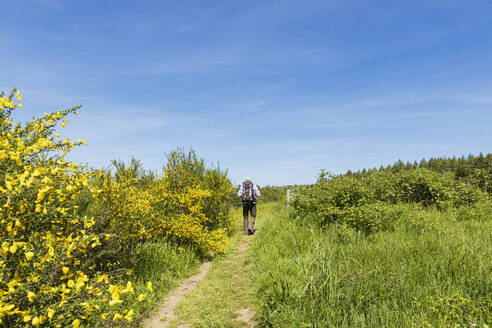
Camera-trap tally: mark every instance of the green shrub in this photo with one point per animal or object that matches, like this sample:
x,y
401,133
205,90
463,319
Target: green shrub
x,y
379,200
430,272
270,194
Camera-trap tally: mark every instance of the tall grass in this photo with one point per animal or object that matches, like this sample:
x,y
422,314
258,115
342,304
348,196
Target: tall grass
x,y
432,270
164,264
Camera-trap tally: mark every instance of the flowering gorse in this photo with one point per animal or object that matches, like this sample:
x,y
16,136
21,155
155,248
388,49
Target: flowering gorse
x,y
174,206
63,227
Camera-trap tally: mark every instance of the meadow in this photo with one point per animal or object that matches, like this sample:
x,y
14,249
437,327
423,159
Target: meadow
x,y
408,245
395,247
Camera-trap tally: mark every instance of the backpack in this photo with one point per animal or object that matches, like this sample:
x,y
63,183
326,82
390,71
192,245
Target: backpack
x,y
248,191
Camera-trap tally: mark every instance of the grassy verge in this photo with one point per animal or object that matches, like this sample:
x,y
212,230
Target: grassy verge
x,y
163,264
433,271
228,286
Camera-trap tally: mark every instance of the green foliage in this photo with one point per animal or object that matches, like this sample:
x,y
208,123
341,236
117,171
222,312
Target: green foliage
x,y
432,271
162,263
273,194
270,194
186,170
218,206
403,246
473,170
215,303
377,201
160,260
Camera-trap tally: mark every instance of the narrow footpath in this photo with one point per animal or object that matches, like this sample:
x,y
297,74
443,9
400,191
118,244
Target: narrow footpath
x,y
222,294
165,313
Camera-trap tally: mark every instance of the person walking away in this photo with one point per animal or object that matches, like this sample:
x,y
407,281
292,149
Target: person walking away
x,y
248,193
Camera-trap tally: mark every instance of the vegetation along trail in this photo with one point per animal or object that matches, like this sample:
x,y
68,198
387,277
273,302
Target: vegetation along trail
x,y
225,297
165,313
408,245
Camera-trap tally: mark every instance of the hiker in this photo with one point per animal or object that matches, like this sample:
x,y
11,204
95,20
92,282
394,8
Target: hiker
x,y
248,193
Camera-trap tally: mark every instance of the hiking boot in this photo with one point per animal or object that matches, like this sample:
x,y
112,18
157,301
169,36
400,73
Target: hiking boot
x,y
250,231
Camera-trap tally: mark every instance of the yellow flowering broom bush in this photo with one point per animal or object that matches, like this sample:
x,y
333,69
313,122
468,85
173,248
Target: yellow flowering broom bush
x,y
59,266
188,204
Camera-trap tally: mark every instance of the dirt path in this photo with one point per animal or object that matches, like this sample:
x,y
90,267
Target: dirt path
x,y
224,296
231,270
162,318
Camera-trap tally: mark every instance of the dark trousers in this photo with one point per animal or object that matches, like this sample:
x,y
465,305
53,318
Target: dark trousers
x,y
249,208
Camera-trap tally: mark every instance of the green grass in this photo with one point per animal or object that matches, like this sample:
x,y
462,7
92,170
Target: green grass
x,y
229,285
163,264
432,271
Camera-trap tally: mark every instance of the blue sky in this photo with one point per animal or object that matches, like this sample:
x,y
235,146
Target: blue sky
x,y
275,90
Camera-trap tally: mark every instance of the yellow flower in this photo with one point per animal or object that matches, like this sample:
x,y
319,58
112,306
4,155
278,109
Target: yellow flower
x,y
128,289
35,321
29,255
26,318
149,286
141,297
18,96
65,270
129,315
102,278
31,296
70,283
50,313
13,248
114,302
76,323
5,247
117,316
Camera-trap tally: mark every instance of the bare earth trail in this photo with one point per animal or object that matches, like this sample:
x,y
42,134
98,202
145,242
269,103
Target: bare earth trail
x,y
222,294
165,313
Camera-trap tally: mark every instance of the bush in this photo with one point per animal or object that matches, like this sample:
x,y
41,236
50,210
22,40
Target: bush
x,y
430,272
68,234
376,201
187,205
42,233
270,194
